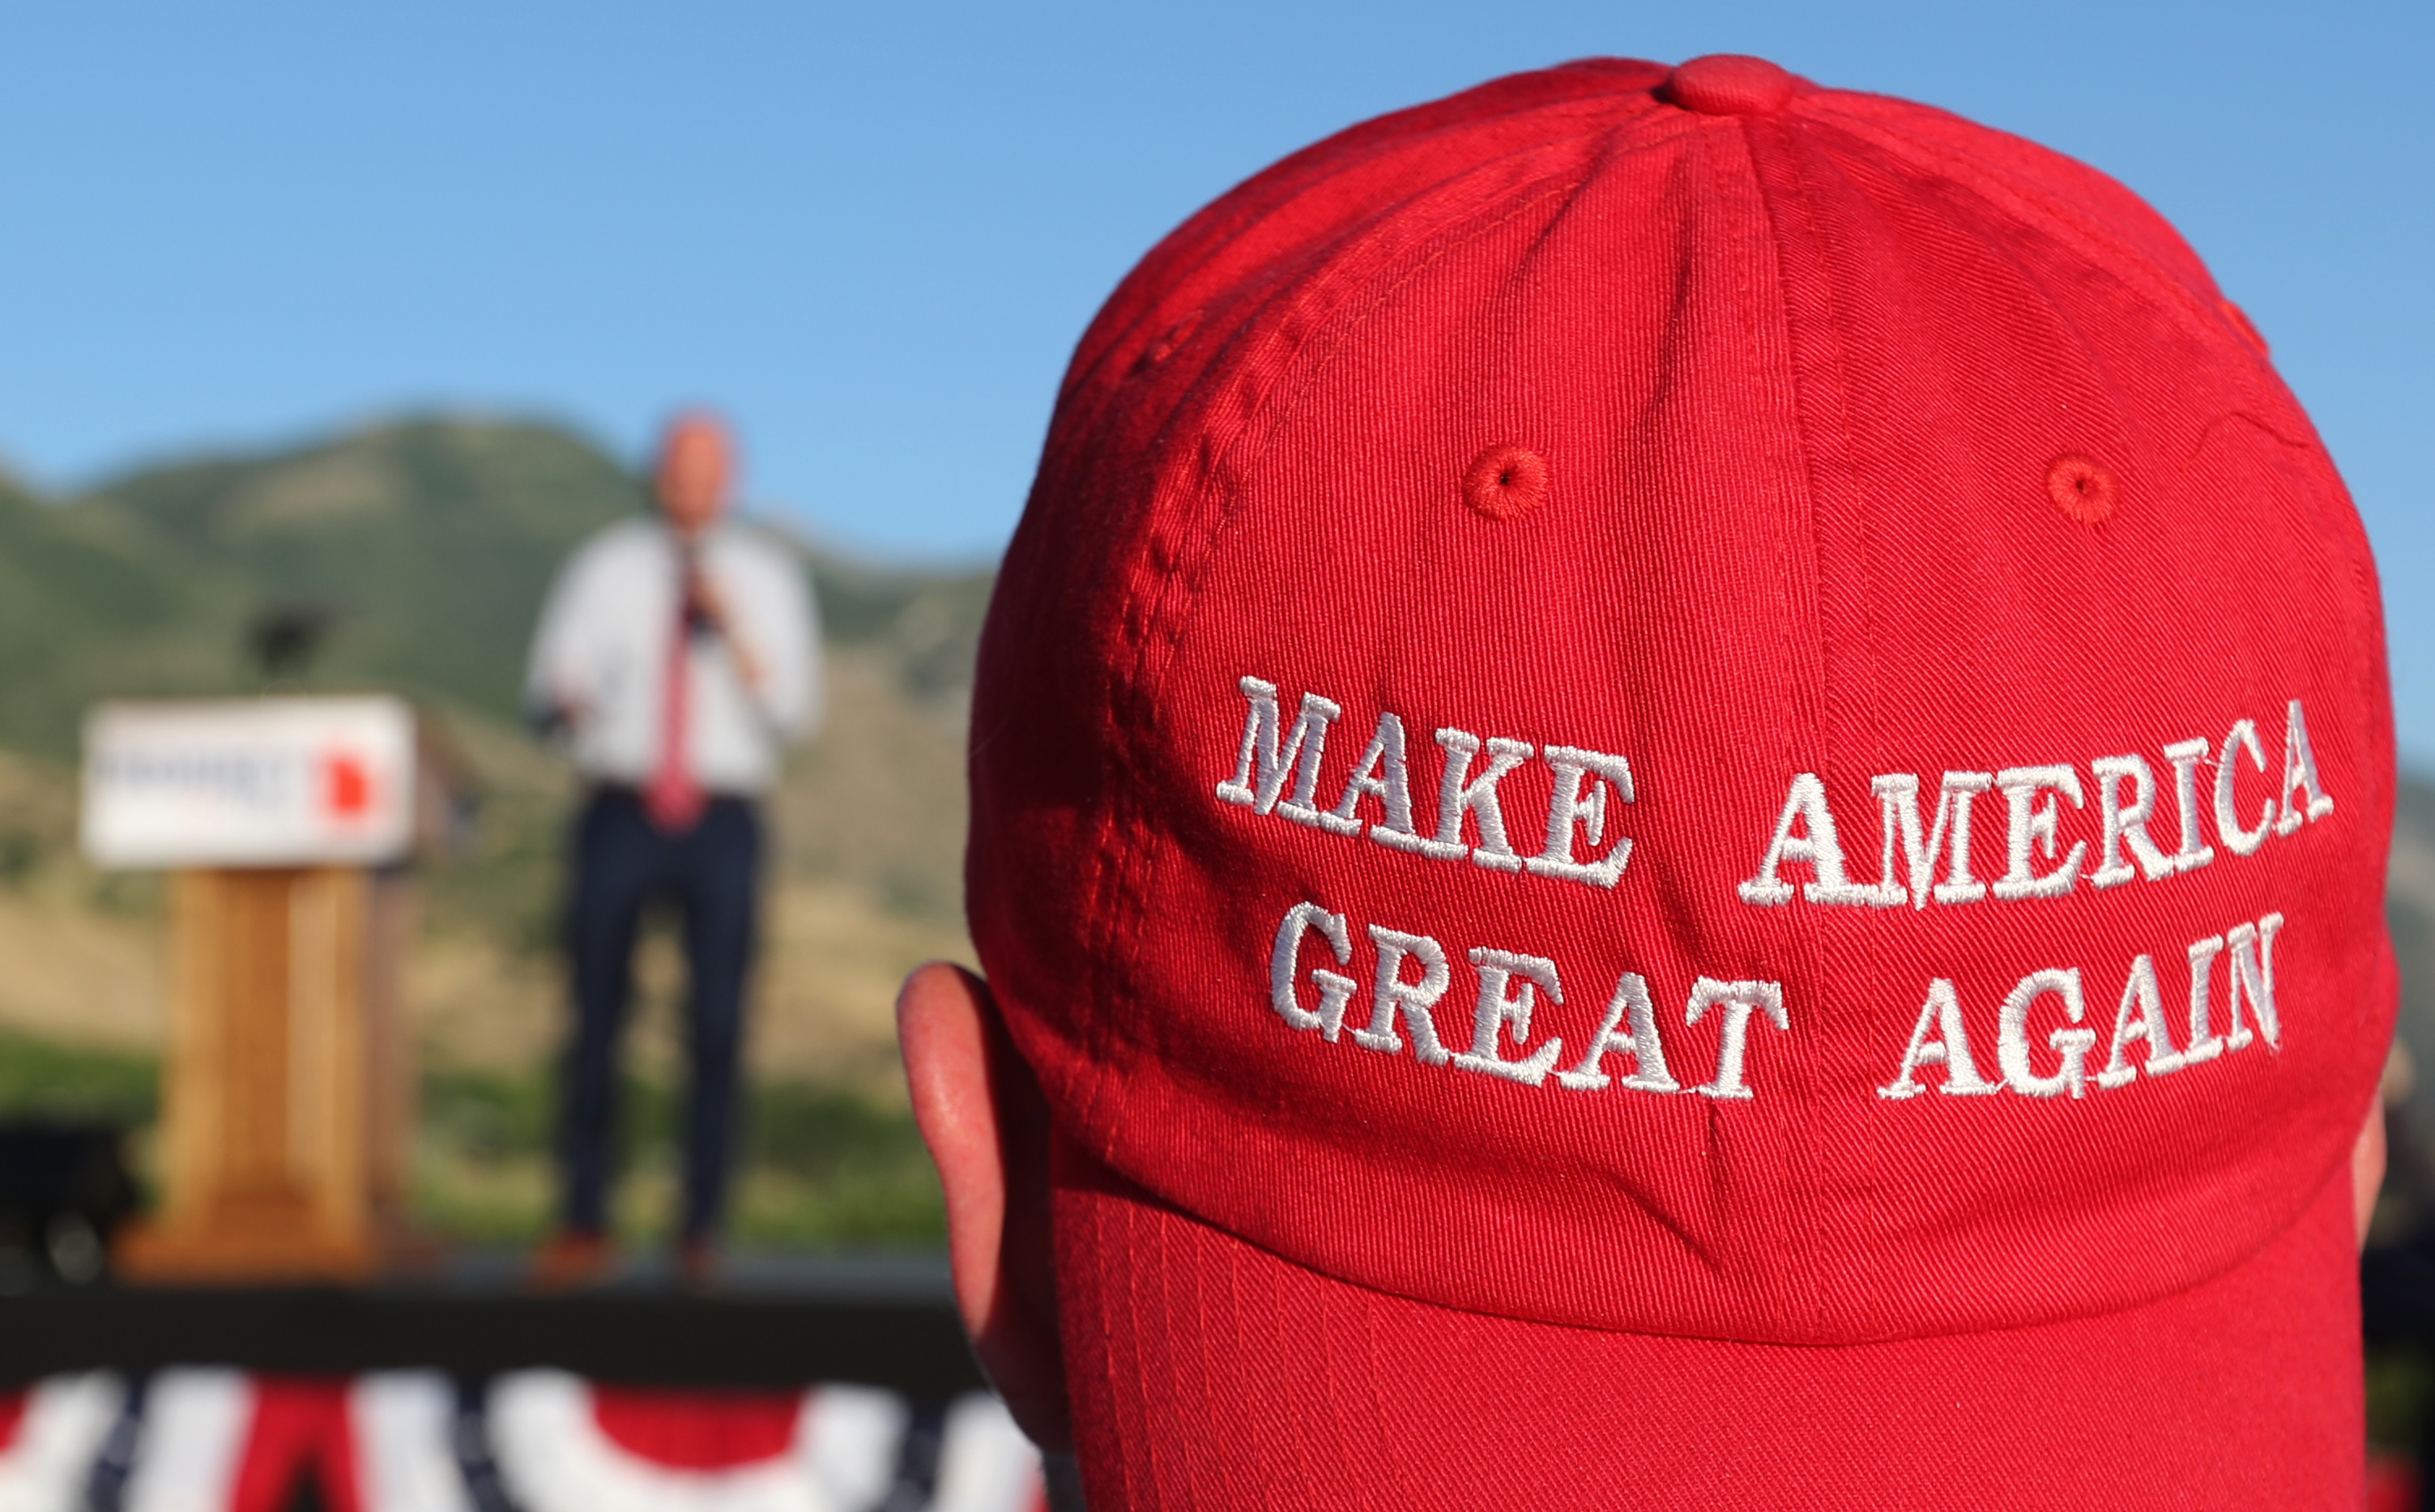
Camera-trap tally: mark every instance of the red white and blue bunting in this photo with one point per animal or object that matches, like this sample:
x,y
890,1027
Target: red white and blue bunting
x,y
207,1440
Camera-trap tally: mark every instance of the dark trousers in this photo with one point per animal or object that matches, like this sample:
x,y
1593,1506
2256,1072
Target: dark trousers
x,y
622,863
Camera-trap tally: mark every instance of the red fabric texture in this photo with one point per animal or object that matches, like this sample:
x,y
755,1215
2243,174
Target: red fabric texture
x,y
1207,1373
1798,381
300,1427
698,1430
12,1415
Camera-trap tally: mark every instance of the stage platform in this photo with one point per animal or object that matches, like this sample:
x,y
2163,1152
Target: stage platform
x,y
887,1321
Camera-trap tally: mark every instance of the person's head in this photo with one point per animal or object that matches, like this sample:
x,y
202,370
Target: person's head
x,y
694,471
1680,789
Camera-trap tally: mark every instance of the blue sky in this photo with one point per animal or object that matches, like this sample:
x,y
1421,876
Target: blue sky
x,y
874,232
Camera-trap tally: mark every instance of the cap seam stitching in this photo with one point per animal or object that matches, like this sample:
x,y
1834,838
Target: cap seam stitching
x,y
1172,606
1146,321
1831,327
1801,928
2100,242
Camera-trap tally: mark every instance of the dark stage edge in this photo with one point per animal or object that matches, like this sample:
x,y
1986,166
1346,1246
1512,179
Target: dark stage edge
x,y
886,1322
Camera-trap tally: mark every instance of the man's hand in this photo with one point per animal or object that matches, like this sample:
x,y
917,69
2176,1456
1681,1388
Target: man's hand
x,y
712,605
566,713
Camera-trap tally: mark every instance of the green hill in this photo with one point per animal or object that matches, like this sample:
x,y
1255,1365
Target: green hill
x,y
91,600
428,543
428,546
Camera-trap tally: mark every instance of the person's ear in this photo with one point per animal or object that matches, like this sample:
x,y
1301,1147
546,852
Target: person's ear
x,y
982,1114
2367,1167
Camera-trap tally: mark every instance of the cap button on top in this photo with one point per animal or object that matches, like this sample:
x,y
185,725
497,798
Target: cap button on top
x,y
1730,84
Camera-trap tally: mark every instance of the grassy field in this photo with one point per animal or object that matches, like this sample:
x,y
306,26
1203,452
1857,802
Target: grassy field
x,y
823,1167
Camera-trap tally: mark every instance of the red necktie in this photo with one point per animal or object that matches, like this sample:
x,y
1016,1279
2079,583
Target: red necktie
x,y
673,800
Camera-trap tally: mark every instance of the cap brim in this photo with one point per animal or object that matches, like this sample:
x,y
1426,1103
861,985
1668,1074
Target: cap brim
x,y
1208,1372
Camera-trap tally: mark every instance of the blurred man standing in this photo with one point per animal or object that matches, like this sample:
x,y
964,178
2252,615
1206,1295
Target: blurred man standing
x,y
675,658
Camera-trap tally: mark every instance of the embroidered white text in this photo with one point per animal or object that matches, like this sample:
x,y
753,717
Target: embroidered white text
x,y
1411,975
1932,861
2059,1064
1274,754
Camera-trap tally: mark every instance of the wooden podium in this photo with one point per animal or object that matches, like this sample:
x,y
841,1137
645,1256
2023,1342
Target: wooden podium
x,y
288,1087
288,1090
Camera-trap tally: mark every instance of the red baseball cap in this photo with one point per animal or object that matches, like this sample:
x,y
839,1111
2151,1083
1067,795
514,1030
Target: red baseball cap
x,y
1681,781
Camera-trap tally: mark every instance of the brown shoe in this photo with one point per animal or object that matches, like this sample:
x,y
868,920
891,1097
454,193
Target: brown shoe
x,y
697,1263
572,1260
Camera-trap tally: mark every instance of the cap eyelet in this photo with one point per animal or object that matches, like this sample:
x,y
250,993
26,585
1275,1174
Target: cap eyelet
x,y
1506,482
2083,488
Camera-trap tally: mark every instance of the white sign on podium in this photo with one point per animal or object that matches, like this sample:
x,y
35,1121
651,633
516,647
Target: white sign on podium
x,y
291,782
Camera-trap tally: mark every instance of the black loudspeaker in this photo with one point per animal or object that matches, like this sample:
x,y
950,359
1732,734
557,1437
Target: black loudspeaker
x,y
63,1190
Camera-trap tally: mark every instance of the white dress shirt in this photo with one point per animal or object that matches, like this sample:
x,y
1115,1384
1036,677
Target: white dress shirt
x,y
600,656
